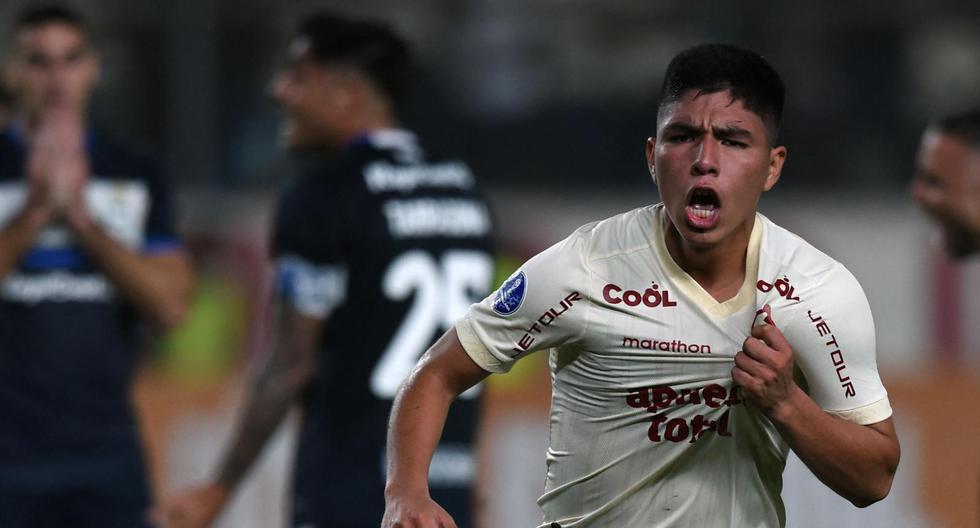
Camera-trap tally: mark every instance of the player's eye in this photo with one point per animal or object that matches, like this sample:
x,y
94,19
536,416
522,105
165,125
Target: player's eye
x,y
75,56
928,179
37,60
679,138
733,143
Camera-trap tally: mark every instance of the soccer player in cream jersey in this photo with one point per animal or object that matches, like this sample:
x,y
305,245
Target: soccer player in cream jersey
x,y
692,343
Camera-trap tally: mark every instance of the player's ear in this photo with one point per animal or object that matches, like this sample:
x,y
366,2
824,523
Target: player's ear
x,y
777,156
651,166
340,88
343,96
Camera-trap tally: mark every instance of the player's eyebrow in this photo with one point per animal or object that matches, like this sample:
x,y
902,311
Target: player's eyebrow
x,y
927,176
680,127
732,132
77,53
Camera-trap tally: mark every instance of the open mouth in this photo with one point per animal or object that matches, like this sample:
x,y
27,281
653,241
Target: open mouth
x,y
703,206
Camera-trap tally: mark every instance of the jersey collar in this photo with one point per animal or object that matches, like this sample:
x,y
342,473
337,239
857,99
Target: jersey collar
x,y
402,142
691,288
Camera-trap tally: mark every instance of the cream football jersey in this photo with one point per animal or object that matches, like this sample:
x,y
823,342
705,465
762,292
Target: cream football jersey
x,y
647,428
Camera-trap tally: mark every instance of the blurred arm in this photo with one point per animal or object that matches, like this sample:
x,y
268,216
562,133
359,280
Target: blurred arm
x,y
274,389
18,236
54,145
158,285
57,170
275,386
417,419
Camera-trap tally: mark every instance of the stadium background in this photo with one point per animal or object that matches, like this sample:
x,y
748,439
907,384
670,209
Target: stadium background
x,y
551,102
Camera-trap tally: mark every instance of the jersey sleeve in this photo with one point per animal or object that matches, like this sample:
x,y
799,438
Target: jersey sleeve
x,y
541,306
308,252
833,338
160,233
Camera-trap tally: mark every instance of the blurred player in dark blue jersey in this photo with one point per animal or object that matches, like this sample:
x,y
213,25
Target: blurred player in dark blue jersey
x,y
379,247
947,180
87,249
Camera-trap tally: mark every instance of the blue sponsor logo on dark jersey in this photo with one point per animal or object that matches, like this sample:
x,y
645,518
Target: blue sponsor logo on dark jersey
x,y
510,296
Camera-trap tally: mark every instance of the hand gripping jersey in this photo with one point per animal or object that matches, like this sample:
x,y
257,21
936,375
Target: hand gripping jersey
x,y
647,428
390,248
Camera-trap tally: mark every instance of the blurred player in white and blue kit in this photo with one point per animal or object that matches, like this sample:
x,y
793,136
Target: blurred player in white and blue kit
x,y
87,251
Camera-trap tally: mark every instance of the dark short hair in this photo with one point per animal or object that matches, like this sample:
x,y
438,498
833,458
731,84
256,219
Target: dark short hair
x,y
712,68
370,46
47,14
965,126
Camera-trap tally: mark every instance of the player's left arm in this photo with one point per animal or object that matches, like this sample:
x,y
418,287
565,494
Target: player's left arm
x,y
310,283
275,387
157,278
158,284
841,427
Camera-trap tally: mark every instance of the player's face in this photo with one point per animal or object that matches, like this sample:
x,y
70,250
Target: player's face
x,y
711,160
314,100
947,186
52,65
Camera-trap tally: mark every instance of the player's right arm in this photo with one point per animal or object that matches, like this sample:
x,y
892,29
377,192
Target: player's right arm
x,y
18,236
55,149
417,418
541,306
311,282
274,389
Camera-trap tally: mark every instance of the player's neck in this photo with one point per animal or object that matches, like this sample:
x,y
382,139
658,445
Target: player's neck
x,y
719,269
367,124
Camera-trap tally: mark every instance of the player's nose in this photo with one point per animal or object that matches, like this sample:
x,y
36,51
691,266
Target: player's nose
x,y
924,195
705,158
278,85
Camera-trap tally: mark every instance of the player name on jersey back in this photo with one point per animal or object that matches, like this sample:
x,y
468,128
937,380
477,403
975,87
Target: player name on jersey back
x,y
411,213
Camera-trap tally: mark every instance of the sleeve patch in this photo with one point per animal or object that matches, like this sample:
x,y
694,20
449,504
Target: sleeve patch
x,y
510,296
312,290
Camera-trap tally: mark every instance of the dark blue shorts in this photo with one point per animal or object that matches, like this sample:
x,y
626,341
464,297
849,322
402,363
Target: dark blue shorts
x,y
110,507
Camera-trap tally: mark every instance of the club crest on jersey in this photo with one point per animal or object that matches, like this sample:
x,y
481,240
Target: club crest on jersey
x,y
510,296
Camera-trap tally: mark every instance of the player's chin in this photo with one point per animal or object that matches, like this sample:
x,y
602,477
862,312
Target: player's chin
x,y
702,240
293,140
702,236
960,244
291,133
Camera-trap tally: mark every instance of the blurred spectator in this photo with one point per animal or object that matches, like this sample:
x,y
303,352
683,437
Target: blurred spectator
x,y
379,248
87,248
947,180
